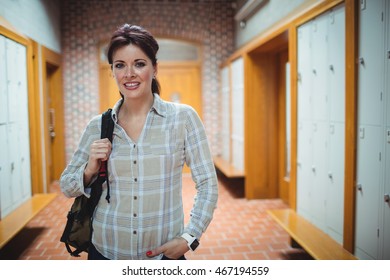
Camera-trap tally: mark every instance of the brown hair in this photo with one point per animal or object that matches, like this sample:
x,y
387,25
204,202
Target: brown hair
x,y
132,34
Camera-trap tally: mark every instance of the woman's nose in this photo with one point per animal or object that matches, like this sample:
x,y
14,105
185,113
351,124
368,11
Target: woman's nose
x,y
129,72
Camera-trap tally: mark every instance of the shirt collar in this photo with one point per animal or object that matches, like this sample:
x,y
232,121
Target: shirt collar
x,y
159,107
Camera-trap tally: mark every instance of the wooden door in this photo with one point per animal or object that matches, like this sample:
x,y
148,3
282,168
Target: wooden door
x,y
181,83
109,93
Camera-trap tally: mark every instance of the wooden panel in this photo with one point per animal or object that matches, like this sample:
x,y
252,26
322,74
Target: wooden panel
x,y
109,93
16,220
315,242
261,122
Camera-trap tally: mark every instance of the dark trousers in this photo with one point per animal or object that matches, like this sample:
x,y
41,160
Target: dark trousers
x,y
93,254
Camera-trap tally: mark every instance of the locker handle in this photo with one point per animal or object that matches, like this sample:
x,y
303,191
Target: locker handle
x,y
359,187
330,175
361,61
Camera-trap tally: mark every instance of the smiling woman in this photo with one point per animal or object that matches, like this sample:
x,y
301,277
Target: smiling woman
x,y
153,139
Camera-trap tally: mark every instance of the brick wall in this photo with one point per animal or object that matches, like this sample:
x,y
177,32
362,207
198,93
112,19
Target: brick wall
x,y
87,23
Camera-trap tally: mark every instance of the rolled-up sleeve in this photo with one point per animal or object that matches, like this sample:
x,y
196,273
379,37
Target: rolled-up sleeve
x,y
72,178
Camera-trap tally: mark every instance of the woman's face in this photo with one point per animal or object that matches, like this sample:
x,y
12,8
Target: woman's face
x,y
133,71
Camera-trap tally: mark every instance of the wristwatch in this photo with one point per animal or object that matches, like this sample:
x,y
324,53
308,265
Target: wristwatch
x,y
192,242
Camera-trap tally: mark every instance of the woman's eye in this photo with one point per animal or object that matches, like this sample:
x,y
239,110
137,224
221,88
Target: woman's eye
x,y
140,64
119,65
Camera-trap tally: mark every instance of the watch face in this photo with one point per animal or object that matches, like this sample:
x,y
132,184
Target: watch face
x,y
194,245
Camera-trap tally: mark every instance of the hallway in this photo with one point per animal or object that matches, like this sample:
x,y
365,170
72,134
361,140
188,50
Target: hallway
x,y
241,230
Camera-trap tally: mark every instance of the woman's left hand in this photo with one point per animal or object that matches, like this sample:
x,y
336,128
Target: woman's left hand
x,y
173,249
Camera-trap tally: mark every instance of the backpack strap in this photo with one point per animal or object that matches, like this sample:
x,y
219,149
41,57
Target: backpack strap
x,y
106,132
107,129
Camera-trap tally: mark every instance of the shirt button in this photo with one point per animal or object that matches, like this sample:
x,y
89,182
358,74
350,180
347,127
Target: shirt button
x,y
135,179
135,232
135,198
134,215
135,162
134,146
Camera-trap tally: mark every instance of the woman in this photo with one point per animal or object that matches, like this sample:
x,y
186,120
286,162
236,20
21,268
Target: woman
x,y
152,140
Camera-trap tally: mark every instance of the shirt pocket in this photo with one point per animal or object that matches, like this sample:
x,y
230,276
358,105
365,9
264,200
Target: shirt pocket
x,y
164,144
164,151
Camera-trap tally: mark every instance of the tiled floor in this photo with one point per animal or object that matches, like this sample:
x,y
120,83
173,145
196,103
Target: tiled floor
x,y
240,230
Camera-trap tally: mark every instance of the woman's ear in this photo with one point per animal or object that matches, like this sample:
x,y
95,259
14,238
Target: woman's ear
x,y
155,70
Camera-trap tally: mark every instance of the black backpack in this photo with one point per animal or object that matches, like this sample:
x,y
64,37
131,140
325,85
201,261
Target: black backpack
x,y
78,229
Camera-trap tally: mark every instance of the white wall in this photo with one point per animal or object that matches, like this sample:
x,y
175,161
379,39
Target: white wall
x,y
39,20
270,13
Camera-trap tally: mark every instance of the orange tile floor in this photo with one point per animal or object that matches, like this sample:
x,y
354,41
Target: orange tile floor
x,y
241,230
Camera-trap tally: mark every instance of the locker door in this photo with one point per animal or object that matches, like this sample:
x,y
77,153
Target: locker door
x,y
336,64
304,169
15,164
12,52
304,141
3,84
5,171
304,72
386,226
5,189
23,123
238,114
319,68
225,105
369,179
371,68
319,174
370,166
335,182
336,77
386,216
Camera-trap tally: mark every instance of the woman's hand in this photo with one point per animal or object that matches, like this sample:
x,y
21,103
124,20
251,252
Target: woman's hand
x,y
99,151
173,249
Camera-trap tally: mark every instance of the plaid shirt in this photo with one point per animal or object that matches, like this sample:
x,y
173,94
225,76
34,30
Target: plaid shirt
x,y
146,209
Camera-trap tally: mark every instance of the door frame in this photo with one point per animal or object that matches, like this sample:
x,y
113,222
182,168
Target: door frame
x,y
53,60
